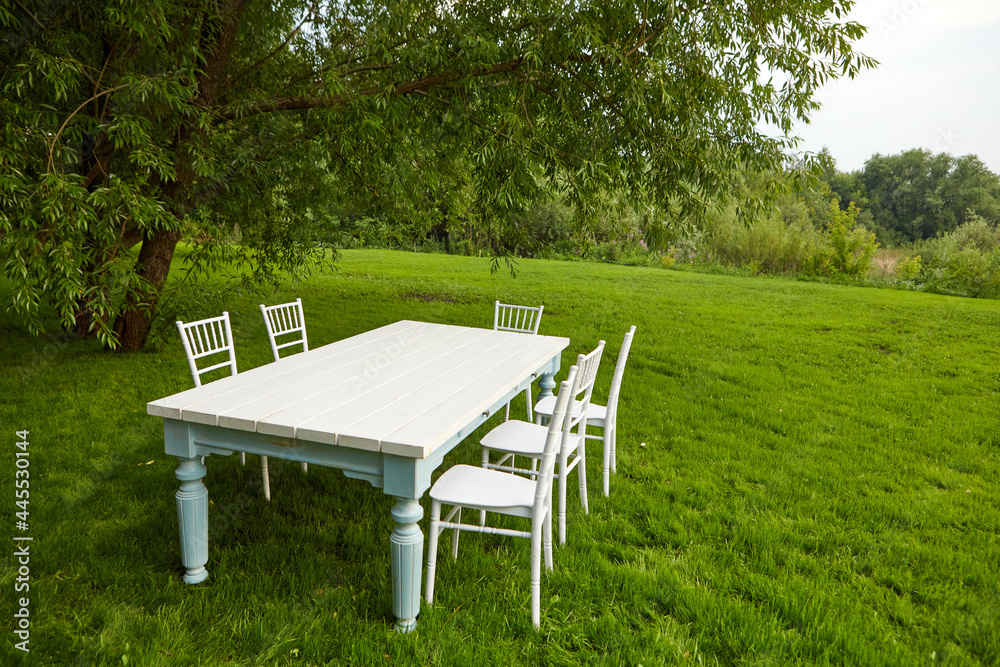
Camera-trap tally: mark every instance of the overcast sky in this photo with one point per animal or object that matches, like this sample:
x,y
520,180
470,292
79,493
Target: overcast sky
x,y
937,85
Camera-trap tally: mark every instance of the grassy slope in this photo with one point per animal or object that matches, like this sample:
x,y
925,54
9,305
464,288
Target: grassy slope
x,y
818,483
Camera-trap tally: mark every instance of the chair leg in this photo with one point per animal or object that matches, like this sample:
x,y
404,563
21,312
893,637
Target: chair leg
x,y
581,473
454,535
267,479
562,498
606,471
486,460
527,402
536,573
506,413
243,458
614,452
432,547
305,467
547,538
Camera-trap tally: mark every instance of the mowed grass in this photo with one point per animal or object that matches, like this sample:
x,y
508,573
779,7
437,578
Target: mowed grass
x,y
808,474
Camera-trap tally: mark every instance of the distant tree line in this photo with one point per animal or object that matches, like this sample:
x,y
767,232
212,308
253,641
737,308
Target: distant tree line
x,y
904,199
915,221
917,195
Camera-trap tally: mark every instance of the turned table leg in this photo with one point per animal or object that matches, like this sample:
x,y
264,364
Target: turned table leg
x,y
192,519
407,551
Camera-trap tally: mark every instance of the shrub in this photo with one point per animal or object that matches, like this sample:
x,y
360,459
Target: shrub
x,y
853,246
847,249
977,234
777,243
965,262
965,272
910,268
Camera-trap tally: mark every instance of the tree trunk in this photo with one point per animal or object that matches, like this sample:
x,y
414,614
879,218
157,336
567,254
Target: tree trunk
x,y
83,319
132,328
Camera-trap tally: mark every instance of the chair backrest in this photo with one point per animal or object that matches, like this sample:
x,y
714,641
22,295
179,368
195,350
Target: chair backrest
x,y
580,393
616,380
543,485
205,338
521,319
283,320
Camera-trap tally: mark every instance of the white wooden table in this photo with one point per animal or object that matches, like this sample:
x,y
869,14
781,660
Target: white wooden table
x,y
384,406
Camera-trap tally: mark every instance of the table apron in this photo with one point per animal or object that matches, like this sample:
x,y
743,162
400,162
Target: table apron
x,y
190,440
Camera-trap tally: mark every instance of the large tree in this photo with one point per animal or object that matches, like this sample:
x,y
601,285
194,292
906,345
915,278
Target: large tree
x,y
918,195
128,126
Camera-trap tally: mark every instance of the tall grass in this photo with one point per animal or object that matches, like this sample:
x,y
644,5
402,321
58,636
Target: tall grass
x,y
808,473
778,244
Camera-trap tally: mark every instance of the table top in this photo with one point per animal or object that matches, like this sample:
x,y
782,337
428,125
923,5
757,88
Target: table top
x,y
405,388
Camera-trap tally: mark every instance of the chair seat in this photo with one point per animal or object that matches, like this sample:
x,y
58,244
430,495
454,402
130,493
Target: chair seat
x,y
517,437
470,486
596,414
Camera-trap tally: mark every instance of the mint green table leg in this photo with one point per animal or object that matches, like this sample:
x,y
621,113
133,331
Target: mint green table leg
x,y
407,551
546,384
192,518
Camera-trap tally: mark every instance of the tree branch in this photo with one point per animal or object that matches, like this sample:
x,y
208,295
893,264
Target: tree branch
x,y
645,40
598,94
55,139
41,26
224,27
534,84
278,48
368,68
481,125
301,102
305,76
342,63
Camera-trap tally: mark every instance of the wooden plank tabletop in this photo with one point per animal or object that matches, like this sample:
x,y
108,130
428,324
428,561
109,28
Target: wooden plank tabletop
x,y
404,388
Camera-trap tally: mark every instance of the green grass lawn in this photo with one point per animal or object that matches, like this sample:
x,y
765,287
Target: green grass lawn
x,y
807,474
